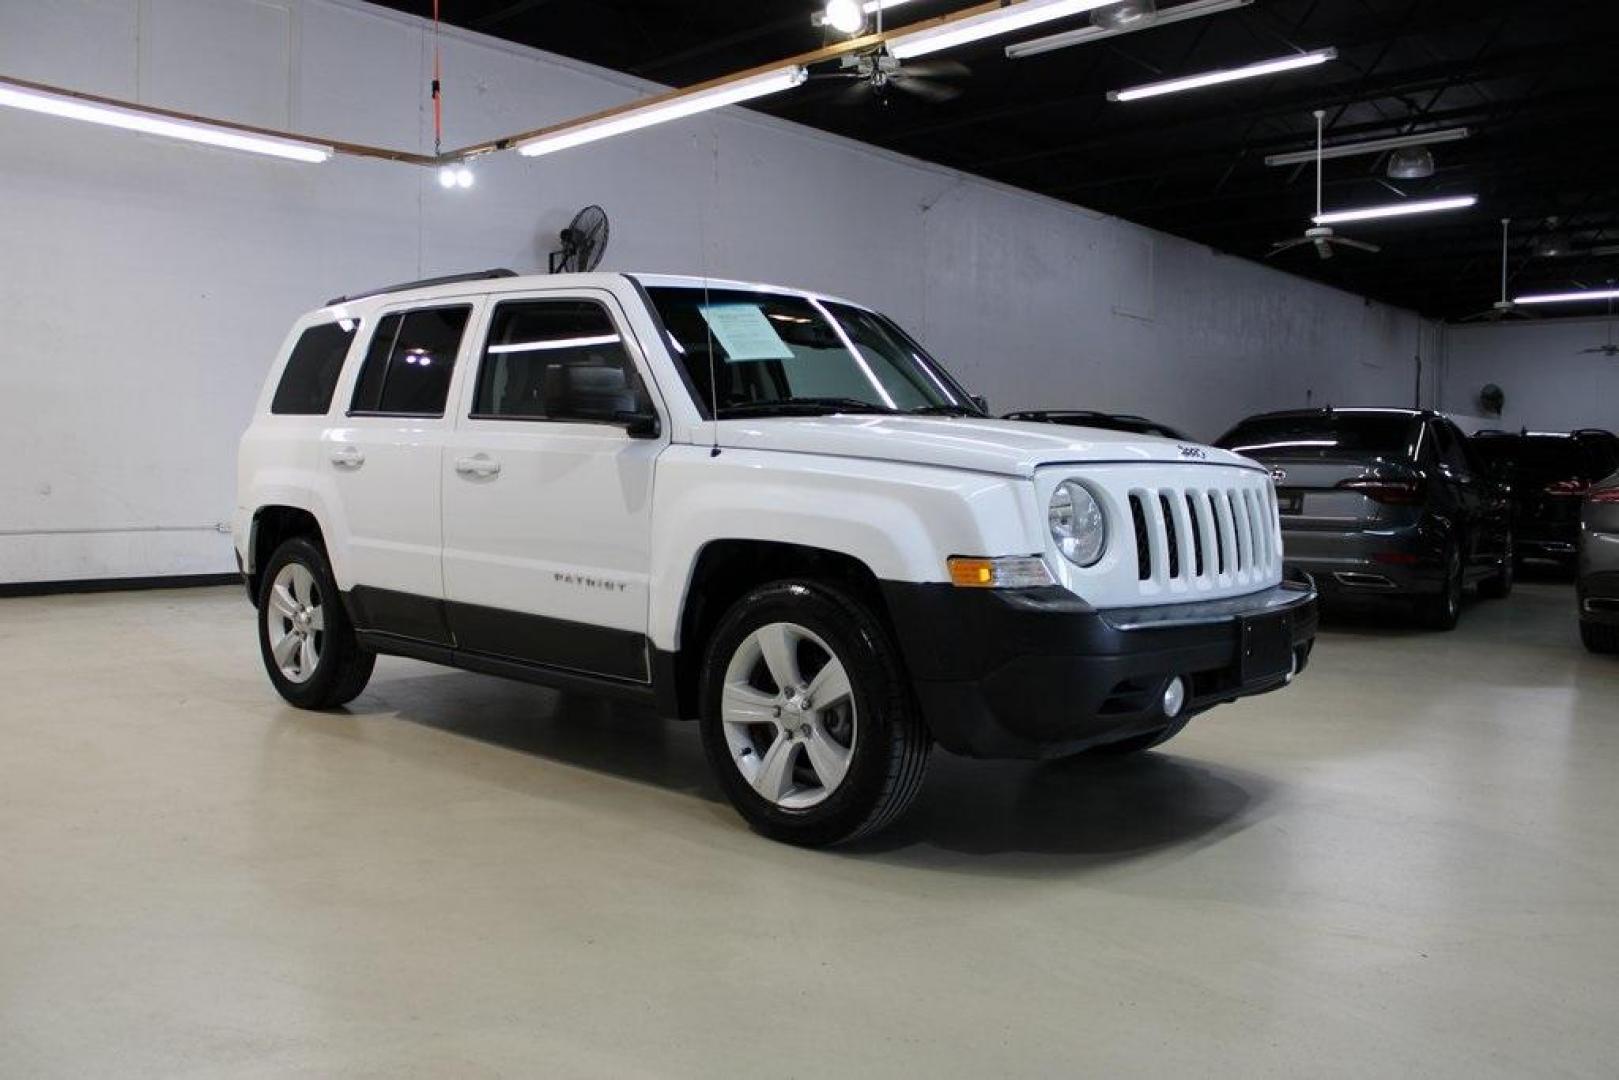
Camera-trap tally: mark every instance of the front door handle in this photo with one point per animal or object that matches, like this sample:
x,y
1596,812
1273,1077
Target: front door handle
x,y
479,465
348,457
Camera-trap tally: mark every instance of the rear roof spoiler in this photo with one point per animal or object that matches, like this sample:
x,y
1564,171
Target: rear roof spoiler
x,y
448,279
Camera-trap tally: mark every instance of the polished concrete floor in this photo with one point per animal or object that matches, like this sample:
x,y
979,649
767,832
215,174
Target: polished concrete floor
x,y
1407,865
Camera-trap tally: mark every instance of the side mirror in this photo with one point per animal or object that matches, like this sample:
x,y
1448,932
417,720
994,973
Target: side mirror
x,y
982,402
640,424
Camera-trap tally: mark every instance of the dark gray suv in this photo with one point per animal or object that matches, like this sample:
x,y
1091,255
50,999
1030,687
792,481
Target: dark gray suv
x,y
1384,504
1598,586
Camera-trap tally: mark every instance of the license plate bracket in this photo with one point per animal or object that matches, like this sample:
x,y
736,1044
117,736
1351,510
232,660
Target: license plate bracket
x,y
1267,647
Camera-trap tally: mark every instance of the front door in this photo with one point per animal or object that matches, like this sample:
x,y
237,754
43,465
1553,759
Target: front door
x,y
547,498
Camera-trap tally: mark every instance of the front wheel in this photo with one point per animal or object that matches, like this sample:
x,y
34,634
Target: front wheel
x,y
310,651
807,718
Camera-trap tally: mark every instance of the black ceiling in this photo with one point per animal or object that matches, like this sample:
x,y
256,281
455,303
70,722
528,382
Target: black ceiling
x,y
1537,81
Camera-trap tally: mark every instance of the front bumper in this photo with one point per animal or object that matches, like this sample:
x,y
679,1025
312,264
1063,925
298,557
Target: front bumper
x,y
1039,673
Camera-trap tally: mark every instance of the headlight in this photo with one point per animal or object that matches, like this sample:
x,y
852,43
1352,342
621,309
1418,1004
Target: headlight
x,y
1077,524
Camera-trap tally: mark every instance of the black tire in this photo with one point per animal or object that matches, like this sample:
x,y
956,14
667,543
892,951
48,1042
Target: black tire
x,y
343,667
1499,585
887,744
1442,610
1600,638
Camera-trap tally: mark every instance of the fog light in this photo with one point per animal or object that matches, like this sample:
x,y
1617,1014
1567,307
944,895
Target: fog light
x,y
1174,697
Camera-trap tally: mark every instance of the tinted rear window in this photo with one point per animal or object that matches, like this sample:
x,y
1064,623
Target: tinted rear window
x,y
1547,458
311,373
1322,433
408,367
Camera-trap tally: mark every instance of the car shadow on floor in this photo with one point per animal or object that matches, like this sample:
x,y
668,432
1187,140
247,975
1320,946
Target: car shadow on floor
x,y
1082,811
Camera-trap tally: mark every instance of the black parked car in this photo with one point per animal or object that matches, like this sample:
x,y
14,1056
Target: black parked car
x,y
1383,504
1548,474
1138,425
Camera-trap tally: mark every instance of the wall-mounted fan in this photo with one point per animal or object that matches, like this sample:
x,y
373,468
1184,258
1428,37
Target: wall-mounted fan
x,y
1502,308
1491,400
1321,236
584,242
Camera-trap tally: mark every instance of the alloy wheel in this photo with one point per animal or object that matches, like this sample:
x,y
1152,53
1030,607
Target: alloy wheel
x,y
788,713
296,621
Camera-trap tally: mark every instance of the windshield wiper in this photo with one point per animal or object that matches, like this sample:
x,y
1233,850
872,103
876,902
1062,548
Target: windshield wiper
x,y
805,406
946,410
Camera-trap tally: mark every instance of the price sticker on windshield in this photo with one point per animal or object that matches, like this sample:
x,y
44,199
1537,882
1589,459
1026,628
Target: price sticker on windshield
x,y
745,331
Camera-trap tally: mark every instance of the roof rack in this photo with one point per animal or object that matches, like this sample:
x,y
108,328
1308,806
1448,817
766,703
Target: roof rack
x,y
448,279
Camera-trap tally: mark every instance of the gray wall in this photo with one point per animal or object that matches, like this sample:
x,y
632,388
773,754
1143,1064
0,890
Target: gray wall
x,y
147,283
1551,383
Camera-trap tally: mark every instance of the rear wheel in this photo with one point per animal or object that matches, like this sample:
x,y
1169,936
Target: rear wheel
x,y
1443,610
807,718
1600,638
310,651
1498,586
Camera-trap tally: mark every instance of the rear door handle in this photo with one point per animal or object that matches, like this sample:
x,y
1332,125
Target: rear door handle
x,y
479,465
348,457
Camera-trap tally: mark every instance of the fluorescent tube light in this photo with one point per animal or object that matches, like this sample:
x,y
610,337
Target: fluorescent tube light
x,y
1371,146
1178,13
1215,78
151,123
1404,209
659,112
872,7
1006,20
1569,298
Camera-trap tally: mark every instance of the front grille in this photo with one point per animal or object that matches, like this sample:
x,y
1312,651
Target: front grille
x,y
1171,525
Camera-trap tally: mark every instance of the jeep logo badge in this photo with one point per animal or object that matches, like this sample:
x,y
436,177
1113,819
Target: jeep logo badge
x,y
1196,453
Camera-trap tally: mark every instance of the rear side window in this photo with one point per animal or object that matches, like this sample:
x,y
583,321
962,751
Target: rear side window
x,y
555,360
408,366
311,373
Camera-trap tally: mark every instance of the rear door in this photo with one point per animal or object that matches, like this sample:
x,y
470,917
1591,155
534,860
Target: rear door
x,y
383,459
547,497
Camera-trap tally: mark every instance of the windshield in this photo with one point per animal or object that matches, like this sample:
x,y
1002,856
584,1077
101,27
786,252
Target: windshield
x,y
1324,434
757,353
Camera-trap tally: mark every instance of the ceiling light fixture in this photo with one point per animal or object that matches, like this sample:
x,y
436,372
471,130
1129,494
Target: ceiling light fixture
x,y
455,176
1215,78
1179,13
156,123
673,106
848,16
1411,163
1570,298
1004,20
1372,146
1405,209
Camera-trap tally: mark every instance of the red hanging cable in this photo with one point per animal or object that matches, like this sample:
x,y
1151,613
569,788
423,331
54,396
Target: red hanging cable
x,y
438,94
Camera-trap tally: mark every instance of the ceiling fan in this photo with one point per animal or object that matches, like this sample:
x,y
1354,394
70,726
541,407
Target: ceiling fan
x,y
874,74
1321,236
1502,308
1610,349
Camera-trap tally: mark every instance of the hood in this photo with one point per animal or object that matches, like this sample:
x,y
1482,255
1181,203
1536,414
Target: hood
x,y
1006,447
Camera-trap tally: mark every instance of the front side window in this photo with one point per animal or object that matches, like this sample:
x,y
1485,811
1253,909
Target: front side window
x,y
555,360
310,377
750,353
408,366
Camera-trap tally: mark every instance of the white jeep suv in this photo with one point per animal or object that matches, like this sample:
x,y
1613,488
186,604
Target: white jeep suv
x,y
758,507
